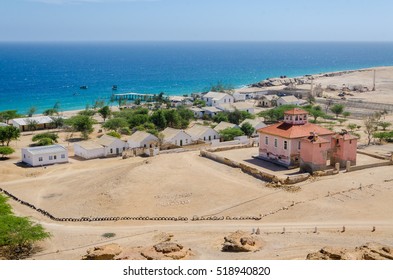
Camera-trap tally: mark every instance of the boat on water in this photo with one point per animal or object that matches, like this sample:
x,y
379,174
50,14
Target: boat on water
x,y
114,87
83,87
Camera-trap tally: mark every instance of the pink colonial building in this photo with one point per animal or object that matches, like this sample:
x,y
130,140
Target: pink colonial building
x,y
296,142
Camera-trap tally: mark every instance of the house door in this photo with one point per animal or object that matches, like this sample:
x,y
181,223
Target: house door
x,y
117,151
181,142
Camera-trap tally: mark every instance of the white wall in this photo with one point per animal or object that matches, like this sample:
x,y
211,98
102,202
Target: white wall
x,y
209,133
44,159
181,136
151,139
116,148
88,154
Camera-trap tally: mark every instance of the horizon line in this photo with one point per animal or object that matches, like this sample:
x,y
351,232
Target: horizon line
x,y
192,41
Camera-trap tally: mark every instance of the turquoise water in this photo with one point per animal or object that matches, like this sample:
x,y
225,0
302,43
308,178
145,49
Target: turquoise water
x,y
41,74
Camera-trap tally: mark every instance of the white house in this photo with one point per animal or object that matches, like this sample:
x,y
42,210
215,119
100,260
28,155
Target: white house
x,y
102,147
44,155
198,112
203,133
211,111
176,137
89,150
241,106
239,96
217,98
224,125
256,123
41,122
3,124
142,139
288,100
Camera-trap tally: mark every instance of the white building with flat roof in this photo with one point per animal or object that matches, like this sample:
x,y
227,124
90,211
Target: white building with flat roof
x,y
216,98
44,155
105,146
41,122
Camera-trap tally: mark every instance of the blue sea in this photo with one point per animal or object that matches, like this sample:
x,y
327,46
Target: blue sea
x,y
41,74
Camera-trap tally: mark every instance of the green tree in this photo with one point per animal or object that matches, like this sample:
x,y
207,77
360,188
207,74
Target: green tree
x,y
221,117
159,120
230,133
247,128
172,118
115,124
352,126
32,124
50,112
371,126
104,112
6,151
31,111
337,109
137,119
45,139
114,134
346,114
8,133
18,234
5,116
199,103
57,122
277,113
87,112
384,125
81,123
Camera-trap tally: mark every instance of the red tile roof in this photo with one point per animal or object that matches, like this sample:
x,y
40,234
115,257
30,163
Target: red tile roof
x,y
291,131
295,111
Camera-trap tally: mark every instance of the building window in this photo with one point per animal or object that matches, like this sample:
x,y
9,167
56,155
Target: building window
x,y
40,159
298,145
111,151
186,141
267,140
24,156
350,141
55,157
285,145
50,157
63,156
275,143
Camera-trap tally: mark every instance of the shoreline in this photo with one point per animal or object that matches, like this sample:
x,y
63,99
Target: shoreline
x,y
266,84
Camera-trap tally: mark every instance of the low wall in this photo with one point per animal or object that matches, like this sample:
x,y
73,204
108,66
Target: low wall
x,y
254,171
230,143
372,165
372,155
227,148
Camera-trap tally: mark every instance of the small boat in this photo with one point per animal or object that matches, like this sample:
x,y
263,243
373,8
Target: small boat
x,y
83,87
114,87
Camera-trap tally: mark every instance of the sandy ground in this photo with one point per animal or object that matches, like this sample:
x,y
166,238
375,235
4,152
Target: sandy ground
x,y
186,184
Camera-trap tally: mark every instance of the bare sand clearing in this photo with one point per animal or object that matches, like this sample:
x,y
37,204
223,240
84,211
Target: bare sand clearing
x,y
186,184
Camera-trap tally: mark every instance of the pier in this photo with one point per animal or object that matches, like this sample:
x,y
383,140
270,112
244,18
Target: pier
x,y
134,96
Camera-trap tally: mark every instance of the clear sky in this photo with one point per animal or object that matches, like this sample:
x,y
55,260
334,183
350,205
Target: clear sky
x,y
200,20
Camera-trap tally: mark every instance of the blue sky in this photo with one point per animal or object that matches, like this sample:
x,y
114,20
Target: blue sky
x,y
196,20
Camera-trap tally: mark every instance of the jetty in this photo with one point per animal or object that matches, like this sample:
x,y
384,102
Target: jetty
x,y
134,96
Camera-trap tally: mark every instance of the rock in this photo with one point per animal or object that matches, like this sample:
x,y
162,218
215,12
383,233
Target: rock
x,y
166,251
105,252
369,251
240,241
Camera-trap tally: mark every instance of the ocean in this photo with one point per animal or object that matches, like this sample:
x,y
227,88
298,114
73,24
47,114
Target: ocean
x,y
41,74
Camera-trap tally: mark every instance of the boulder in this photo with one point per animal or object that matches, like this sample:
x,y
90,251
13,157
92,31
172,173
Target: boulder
x,y
240,241
369,251
105,252
166,251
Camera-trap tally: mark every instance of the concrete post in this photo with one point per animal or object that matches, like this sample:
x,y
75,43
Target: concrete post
x,y
337,166
348,167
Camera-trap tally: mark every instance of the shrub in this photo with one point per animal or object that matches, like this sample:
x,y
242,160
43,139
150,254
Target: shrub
x,y
114,134
5,151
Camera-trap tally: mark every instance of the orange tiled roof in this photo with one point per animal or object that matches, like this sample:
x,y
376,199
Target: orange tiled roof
x,y
290,131
295,111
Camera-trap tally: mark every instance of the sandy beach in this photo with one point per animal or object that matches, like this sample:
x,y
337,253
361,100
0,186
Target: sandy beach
x,y
186,184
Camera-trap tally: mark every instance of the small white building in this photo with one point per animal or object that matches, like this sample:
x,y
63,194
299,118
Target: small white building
x,y
267,101
41,122
239,96
216,98
256,123
224,125
44,155
105,146
202,133
211,111
3,124
198,112
176,137
142,139
241,106
288,100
